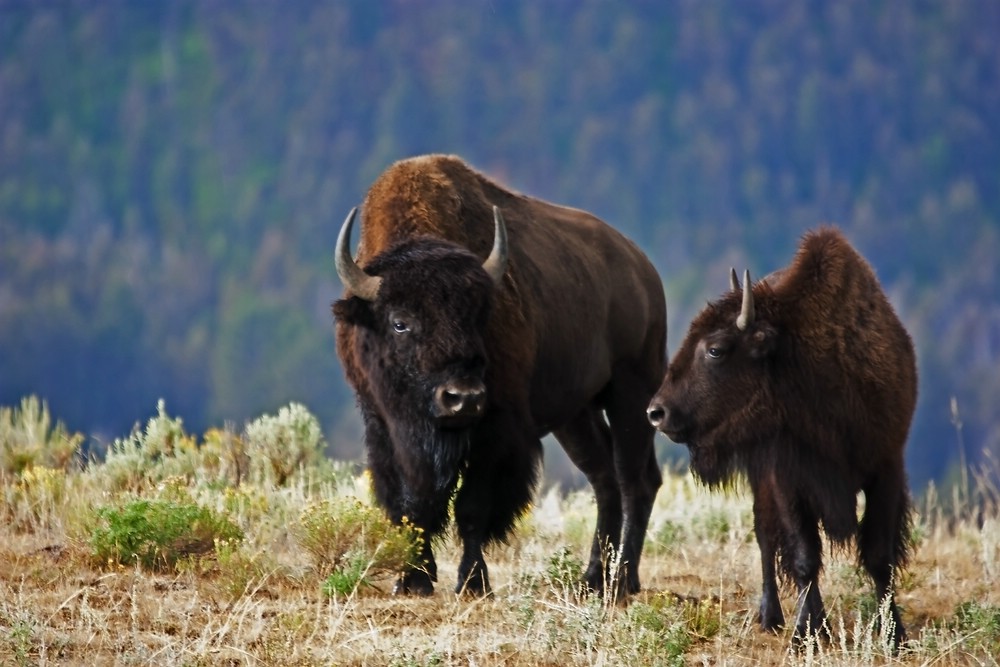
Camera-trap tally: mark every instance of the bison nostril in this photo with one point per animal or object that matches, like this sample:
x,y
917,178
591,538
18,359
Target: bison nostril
x,y
656,414
452,400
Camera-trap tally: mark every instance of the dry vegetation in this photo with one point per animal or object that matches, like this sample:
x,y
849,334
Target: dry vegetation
x,y
251,582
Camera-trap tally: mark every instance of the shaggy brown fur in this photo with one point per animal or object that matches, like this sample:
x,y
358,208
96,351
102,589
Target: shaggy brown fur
x,y
576,329
812,400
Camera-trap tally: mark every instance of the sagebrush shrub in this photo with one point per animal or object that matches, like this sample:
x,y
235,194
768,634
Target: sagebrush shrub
x,y
144,458
28,438
278,445
35,498
238,572
355,542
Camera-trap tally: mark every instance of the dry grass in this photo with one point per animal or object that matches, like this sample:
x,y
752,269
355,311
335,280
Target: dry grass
x,y
700,576
262,602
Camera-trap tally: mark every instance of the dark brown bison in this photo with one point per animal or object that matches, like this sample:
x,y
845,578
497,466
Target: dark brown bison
x,y
475,321
806,382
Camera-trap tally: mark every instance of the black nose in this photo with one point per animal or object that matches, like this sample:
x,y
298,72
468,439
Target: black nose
x,y
460,399
670,421
656,414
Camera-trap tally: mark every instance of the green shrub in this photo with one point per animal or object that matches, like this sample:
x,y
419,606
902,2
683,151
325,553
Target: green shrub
x,y
653,634
982,621
564,571
157,534
667,536
348,577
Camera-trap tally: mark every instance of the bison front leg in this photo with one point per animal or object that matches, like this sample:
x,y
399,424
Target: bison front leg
x,y
767,529
496,489
419,580
802,558
391,494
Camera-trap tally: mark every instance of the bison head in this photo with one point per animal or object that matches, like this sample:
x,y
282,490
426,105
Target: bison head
x,y
716,396
421,310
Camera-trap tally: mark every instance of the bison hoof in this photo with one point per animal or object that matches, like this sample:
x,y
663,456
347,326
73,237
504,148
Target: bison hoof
x,y
621,587
771,620
414,583
475,586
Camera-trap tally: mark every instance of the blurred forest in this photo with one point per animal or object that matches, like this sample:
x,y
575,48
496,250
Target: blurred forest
x,y
173,175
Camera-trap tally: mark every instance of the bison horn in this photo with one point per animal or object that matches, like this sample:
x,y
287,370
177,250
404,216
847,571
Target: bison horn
x,y
353,276
734,282
746,316
496,264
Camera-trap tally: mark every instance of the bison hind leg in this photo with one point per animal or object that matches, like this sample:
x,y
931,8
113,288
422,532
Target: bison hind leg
x,y
883,541
587,441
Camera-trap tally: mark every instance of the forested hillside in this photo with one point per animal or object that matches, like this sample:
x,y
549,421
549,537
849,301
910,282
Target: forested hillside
x,y
173,176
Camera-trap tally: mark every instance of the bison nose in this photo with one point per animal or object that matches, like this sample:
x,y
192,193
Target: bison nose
x,y
656,414
669,421
454,399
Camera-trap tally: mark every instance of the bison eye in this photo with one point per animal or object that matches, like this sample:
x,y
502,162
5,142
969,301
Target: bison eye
x,y
400,326
715,352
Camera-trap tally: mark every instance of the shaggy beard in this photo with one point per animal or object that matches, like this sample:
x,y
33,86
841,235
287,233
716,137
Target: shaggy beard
x,y
431,459
713,465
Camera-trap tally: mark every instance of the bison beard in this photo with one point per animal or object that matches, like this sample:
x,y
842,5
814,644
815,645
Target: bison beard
x,y
461,364
805,382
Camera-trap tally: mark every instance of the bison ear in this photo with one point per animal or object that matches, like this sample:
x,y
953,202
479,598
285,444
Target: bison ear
x,y
354,310
763,340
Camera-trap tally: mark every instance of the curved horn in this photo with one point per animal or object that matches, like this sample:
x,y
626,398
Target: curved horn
x,y
746,316
496,264
353,276
734,282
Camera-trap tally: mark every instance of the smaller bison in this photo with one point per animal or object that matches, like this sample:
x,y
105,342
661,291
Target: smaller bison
x,y
806,383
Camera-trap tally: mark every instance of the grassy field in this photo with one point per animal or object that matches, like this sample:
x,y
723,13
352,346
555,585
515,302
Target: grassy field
x,y
249,548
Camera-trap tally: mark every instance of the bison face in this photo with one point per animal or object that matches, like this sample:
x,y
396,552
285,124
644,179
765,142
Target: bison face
x,y
714,396
420,327
421,340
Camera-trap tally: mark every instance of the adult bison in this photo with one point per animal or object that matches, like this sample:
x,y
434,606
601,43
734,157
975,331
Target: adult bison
x,y
806,382
476,320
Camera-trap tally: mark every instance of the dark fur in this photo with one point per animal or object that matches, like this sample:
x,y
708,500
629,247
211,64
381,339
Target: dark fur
x,y
813,402
577,329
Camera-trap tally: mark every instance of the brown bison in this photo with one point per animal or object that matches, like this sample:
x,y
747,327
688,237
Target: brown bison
x,y
475,321
806,382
